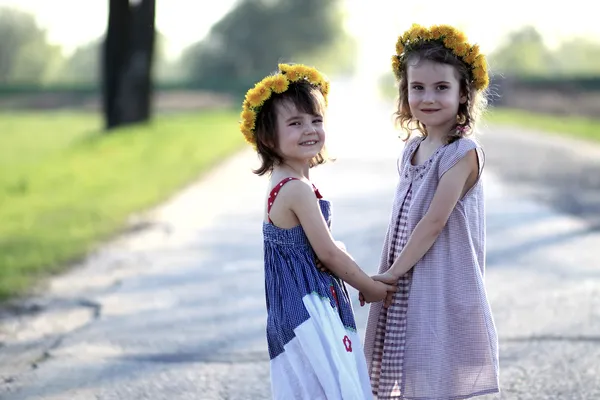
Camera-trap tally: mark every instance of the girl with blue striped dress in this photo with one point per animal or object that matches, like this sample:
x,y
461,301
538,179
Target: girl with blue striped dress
x,y
315,351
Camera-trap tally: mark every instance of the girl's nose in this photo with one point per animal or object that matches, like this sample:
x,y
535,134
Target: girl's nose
x,y
429,96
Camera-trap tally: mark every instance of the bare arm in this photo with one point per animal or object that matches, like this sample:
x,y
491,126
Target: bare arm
x,y
304,205
450,189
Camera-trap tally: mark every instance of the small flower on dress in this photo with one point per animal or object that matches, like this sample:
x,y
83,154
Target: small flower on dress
x,y
348,344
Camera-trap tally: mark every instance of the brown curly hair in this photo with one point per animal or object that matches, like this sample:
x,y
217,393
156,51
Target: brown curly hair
x,y
306,98
468,112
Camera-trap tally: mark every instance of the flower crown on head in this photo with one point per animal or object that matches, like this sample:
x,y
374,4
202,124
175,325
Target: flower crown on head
x,y
451,38
277,83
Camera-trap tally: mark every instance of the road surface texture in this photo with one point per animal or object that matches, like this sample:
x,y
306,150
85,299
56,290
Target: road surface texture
x,y
175,310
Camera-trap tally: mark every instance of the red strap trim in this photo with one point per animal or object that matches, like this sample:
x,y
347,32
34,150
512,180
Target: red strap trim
x,y
276,189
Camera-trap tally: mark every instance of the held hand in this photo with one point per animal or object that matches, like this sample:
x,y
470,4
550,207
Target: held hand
x,y
378,292
386,277
391,289
320,266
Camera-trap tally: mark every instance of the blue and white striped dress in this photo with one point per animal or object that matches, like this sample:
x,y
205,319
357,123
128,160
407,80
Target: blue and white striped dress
x,y
314,348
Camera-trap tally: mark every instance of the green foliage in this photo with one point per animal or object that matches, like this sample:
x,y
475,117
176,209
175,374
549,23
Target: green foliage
x,y
339,58
585,128
83,66
25,55
580,56
255,36
65,186
524,53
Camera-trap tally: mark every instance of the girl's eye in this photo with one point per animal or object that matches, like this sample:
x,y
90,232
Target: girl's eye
x,y
318,120
417,87
443,87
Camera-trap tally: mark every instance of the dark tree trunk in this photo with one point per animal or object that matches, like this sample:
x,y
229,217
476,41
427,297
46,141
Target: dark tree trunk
x,y
127,62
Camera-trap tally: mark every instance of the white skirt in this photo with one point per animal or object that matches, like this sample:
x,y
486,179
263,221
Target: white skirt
x,y
324,361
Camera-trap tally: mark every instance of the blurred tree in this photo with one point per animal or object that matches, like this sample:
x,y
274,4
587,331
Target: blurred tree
x,y
256,35
578,56
25,54
522,53
338,58
127,62
84,65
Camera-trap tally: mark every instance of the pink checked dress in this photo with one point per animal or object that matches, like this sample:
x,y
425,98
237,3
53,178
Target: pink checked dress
x,y
438,339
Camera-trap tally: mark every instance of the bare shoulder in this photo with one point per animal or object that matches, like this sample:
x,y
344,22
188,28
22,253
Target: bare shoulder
x,y
292,189
466,166
291,185
299,190
471,159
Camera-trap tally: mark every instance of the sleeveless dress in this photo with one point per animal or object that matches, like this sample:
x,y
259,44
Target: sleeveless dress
x,y
438,339
314,349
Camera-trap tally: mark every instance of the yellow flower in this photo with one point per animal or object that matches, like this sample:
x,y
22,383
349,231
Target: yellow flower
x,y
450,42
247,115
293,75
313,76
425,34
395,64
299,69
399,47
284,67
254,98
460,36
267,82
248,135
483,83
436,32
480,62
248,120
325,89
414,35
461,49
479,73
473,54
280,84
264,92
446,30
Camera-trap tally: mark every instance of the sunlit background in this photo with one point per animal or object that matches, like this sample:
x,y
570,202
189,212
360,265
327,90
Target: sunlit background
x,y
73,25
93,145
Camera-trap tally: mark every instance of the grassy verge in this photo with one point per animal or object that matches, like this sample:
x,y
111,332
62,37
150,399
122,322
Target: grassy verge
x,y
585,128
65,185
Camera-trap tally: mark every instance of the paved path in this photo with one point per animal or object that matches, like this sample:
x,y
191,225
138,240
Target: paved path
x,y
176,311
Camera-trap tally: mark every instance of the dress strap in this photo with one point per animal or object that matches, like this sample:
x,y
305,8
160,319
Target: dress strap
x,y
276,189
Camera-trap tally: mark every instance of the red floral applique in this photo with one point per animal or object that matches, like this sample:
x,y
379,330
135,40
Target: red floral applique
x,y
348,344
332,289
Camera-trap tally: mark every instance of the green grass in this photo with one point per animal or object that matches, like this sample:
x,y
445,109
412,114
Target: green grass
x,y
585,128
65,186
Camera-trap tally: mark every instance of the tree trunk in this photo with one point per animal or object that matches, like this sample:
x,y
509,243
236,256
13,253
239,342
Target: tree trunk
x,y
127,62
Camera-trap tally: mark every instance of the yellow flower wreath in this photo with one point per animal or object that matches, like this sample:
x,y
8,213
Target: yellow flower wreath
x,y
278,83
454,40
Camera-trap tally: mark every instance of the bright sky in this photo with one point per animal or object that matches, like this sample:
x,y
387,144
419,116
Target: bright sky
x,y
376,23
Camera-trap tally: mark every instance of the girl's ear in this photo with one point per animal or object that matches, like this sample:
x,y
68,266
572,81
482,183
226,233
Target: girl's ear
x,y
463,98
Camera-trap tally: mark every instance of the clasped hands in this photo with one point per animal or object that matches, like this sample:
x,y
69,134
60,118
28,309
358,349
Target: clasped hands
x,y
386,278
